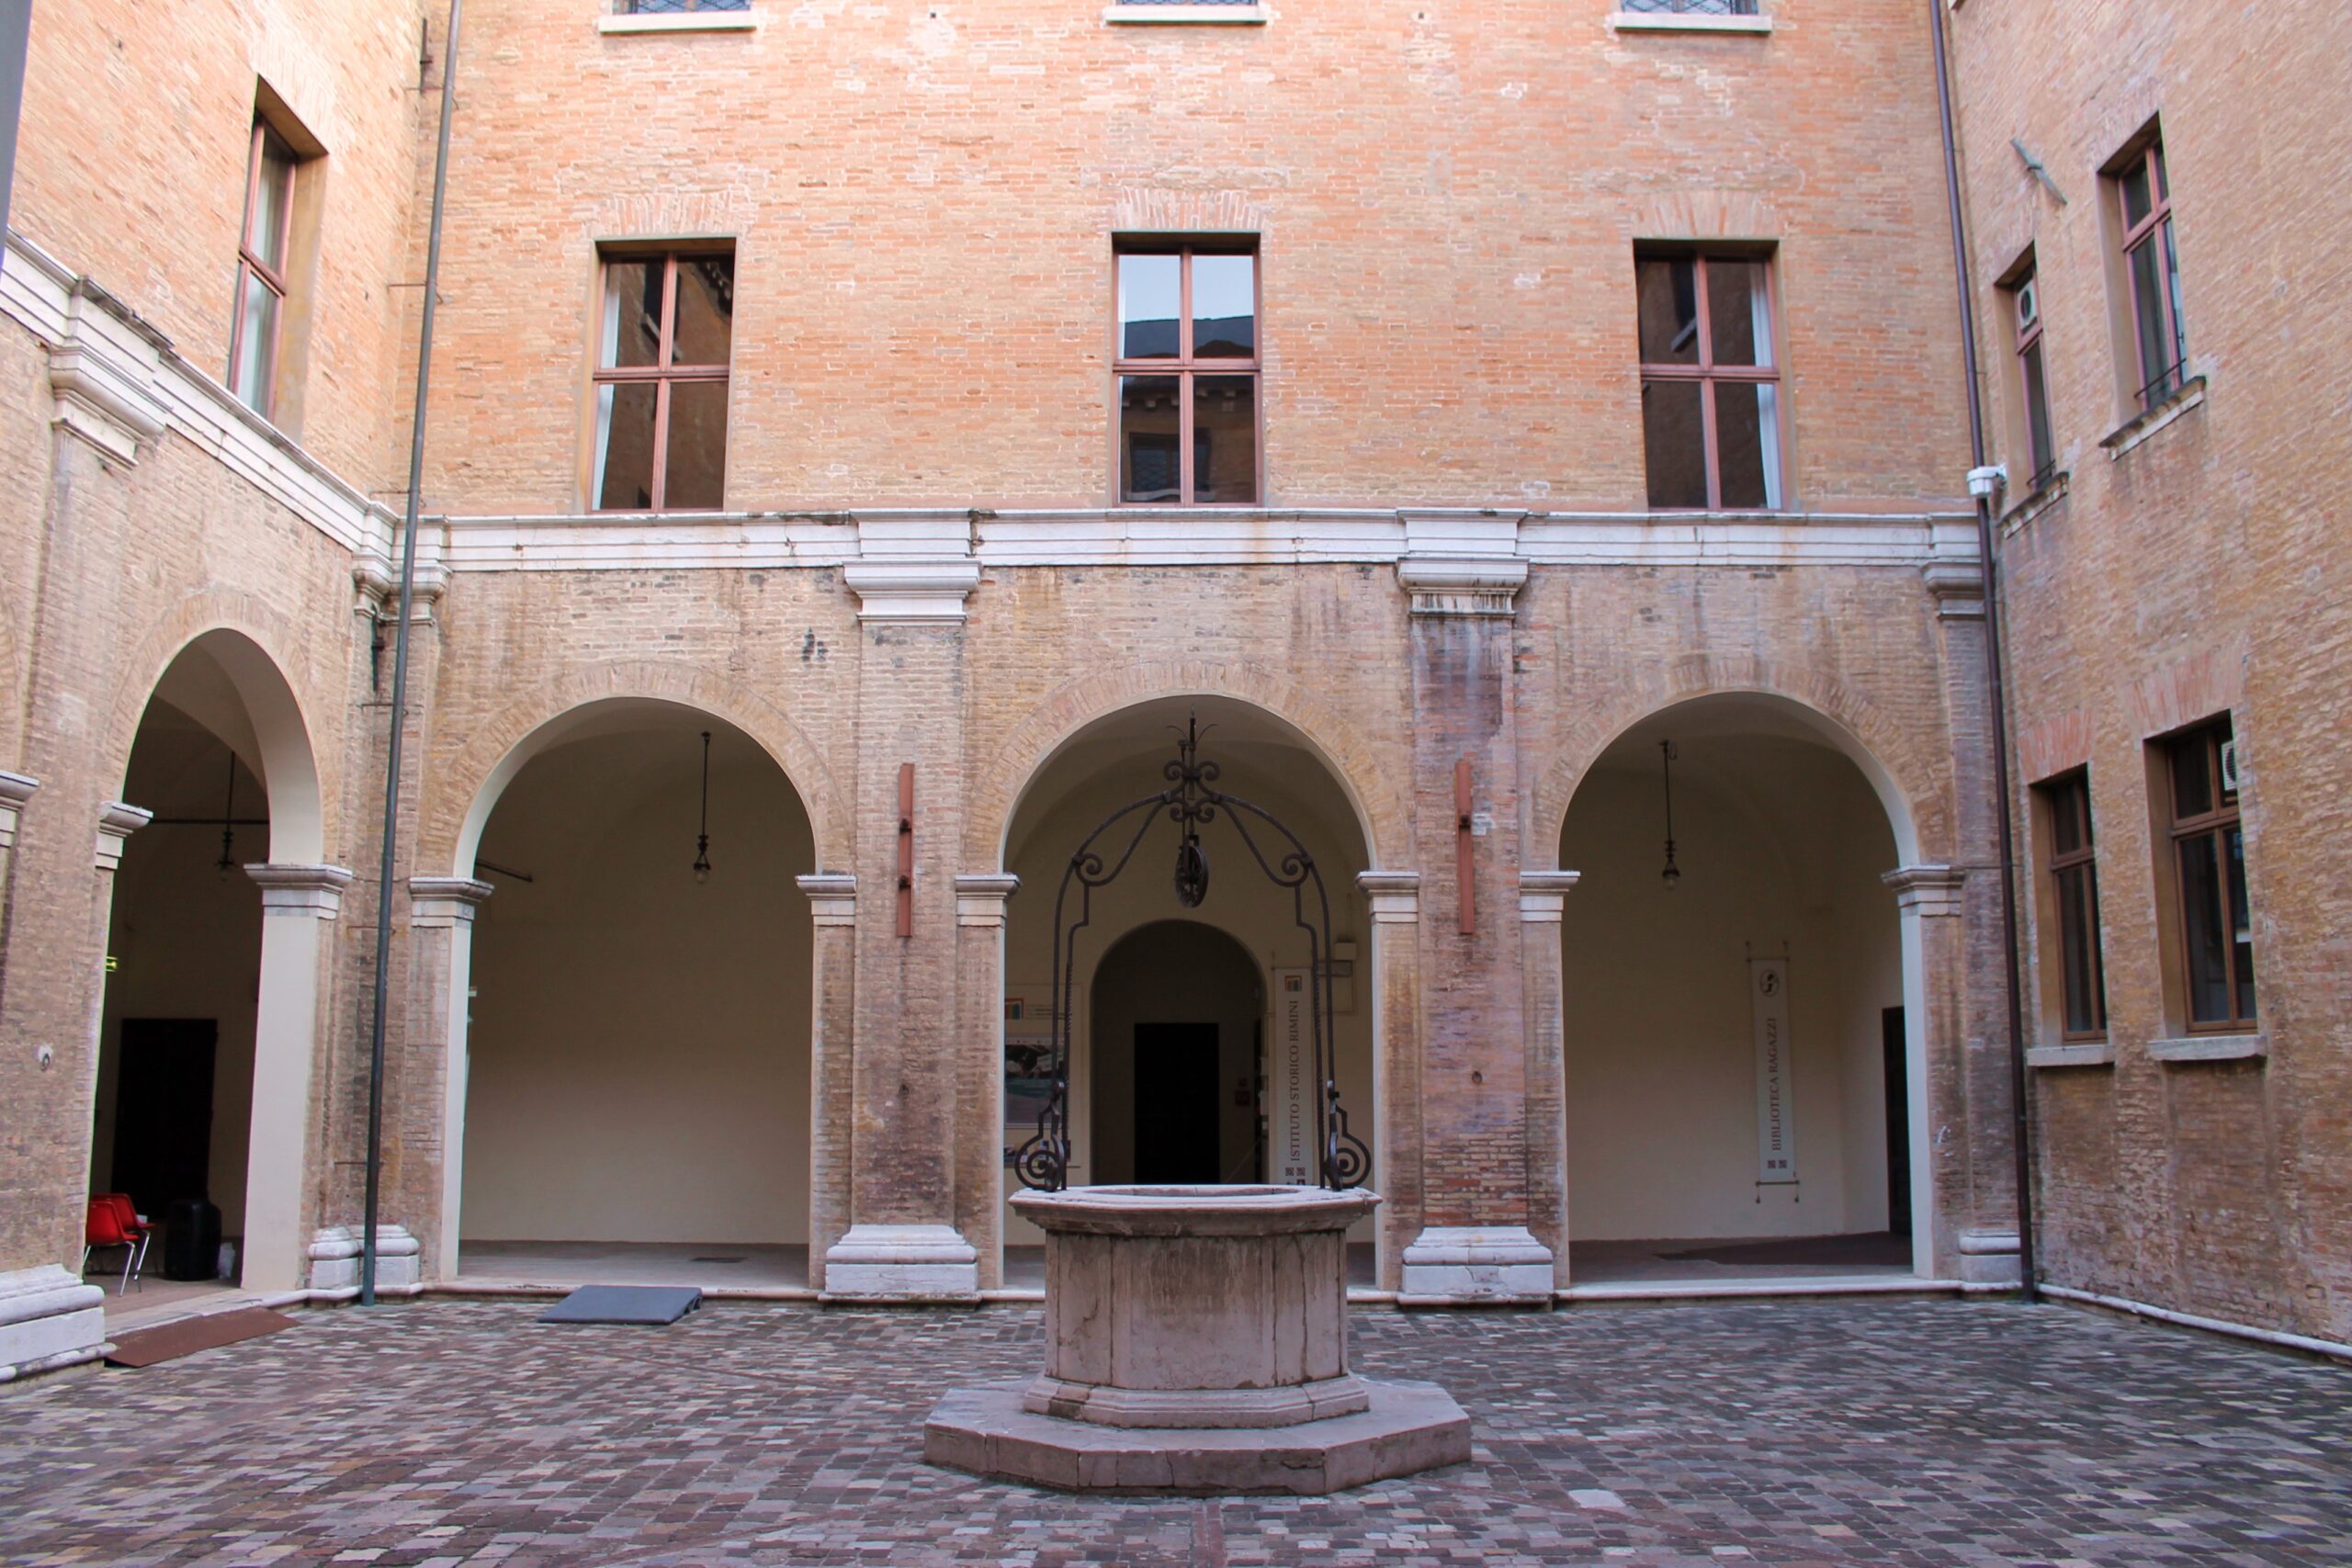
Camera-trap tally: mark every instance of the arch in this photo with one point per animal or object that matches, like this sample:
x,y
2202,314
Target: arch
x,y
1032,745
499,750
230,629
1919,817
1216,980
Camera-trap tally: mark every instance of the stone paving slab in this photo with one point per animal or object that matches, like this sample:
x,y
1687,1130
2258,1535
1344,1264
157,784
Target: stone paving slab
x,y
1798,1433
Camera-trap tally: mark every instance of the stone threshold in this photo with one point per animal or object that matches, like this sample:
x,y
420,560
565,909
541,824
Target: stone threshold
x,y
1638,1290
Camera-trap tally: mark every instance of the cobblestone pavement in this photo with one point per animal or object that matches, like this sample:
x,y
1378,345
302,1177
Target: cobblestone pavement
x,y
1920,1432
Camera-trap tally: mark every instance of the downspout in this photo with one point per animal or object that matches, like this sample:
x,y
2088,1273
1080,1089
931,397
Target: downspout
x,y
1995,693
399,668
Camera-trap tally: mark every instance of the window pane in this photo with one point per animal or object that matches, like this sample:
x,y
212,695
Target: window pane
x,y
694,466
2066,816
2172,290
625,447
1674,443
632,313
2203,930
705,310
2136,202
1747,437
2147,304
1224,439
2037,414
1737,315
256,367
1667,293
2241,921
1150,296
265,224
1149,426
2192,782
2029,307
2078,936
1224,307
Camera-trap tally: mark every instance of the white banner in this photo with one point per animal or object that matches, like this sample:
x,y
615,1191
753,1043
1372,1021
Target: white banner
x,y
1776,1122
1290,1083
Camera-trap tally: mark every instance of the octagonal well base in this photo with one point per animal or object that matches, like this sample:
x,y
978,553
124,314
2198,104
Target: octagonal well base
x,y
1409,1428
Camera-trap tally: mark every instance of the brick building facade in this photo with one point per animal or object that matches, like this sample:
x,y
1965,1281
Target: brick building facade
x,y
1515,271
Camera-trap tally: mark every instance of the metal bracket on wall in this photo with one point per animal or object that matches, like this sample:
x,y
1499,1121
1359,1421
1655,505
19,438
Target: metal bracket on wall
x,y
906,849
1464,825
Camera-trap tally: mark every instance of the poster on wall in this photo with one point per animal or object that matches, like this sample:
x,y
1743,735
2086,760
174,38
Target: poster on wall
x,y
1290,1084
1776,1126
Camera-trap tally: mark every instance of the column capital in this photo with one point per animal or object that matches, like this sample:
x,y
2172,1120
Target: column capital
x,y
832,897
439,903
14,790
1544,894
1926,889
1395,896
980,897
116,822
1461,563
289,889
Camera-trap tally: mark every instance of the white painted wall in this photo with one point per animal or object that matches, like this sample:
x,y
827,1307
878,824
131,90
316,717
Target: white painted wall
x,y
639,1049
1782,843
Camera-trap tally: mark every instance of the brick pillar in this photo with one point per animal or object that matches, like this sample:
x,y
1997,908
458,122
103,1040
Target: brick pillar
x,y
832,1003
296,903
979,1069
440,967
14,790
1543,898
1396,898
1463,573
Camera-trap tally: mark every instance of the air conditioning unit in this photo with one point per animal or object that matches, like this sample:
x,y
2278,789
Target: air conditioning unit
x,y
2230,766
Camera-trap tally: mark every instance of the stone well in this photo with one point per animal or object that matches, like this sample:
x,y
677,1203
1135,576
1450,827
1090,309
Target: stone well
x,y
1197,1341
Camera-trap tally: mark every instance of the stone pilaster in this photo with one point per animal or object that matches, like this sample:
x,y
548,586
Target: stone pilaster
x,y
1543,901
16,789
832,997
296,902
441,955
1396,990
982,1134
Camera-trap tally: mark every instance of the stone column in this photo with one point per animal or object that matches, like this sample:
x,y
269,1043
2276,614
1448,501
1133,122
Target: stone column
x,y
296,902
979,1012
1396,1002
1543,898
441,962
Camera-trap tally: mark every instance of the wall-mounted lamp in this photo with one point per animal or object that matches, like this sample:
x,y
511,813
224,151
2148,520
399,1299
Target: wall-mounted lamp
x,y
702,840
1672,873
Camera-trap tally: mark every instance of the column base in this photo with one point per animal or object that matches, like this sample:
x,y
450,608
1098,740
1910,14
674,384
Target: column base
x,y
1989,1257
901,1263
1476,1265
48,1318
335,1259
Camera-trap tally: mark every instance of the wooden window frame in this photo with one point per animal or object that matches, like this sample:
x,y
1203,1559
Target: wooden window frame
x,y
2026,320
2215,825
2072,792
251,266
2158,382
661,375
1184,366
1709,375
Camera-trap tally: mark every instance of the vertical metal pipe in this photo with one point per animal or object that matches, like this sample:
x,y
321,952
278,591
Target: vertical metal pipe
x,y
399,667
2021,1128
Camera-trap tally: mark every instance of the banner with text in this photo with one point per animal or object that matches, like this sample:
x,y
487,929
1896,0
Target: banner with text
x,y
1290,1083
1776,1124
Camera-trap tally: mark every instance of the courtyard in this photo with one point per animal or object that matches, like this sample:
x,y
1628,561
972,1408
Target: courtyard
x,y
1915,1432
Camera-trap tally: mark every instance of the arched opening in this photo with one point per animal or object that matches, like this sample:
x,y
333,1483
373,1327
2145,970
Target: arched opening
x,y
207,1029
636,1049
1741,1087
1179,1016
1146,1084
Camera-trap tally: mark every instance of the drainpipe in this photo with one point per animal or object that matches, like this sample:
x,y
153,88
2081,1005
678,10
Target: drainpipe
x,y
1981,480
399,668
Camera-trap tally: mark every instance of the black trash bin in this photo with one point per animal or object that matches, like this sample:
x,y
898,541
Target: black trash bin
x,y
191,1240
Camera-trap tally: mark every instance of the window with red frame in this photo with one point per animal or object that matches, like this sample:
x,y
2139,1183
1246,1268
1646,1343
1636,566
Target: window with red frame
x,y
1710,388
2209,850
2073,876
2145,200
664,342
259,322
1187,377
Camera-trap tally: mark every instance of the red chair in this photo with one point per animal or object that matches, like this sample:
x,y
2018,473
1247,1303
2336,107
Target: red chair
x,y
133,1224
104,1228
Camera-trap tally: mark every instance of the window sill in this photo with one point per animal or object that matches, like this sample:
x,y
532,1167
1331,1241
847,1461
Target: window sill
x,y
2035,504
2212,1048
682,22
1681,22
1231,16
2081,1054
2138,429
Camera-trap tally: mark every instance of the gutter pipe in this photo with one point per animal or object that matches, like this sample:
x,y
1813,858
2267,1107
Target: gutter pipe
x,y
1980,487
399,668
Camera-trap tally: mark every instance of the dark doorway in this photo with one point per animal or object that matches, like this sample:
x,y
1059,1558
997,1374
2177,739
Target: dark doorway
x,y
1176,1102
163,1111
1898,1122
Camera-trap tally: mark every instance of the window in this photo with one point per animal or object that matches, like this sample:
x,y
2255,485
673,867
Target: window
x,y
2145,208
2209,850
1711,413
673,7
2025,305
258,326
2073,875
660,382
1692,7
1187,373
